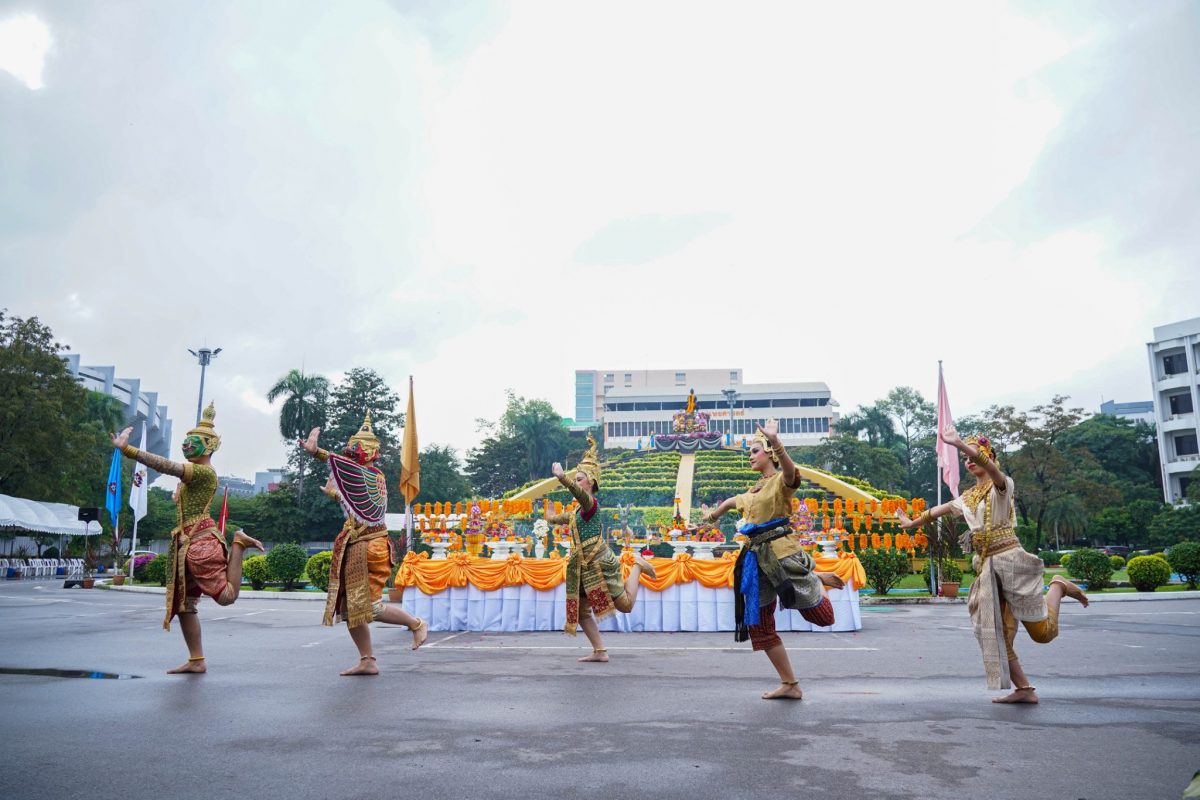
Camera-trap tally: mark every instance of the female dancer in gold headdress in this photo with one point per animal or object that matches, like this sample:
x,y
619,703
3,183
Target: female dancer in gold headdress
x,y
1009,586
594,585
773,564
362,553
197,560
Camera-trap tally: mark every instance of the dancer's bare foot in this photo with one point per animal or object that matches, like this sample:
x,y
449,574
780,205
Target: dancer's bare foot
x,y
788,690
1070,590
191,666
831,580
647,568
246,541
420,633
1026,695
365,666
600,656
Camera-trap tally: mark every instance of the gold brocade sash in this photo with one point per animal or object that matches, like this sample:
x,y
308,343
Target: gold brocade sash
x,y
181,539
356,609
983,603
584,571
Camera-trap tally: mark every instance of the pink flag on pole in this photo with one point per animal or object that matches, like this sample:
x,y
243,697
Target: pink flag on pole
x,y
947,455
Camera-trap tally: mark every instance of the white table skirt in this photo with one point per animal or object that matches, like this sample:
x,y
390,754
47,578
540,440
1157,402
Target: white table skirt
x,y
682,607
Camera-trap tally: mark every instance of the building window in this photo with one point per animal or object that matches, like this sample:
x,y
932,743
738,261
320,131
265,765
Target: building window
x,y
1185,445
1174,364
733,376
785,402
629,379
680,378
1180,403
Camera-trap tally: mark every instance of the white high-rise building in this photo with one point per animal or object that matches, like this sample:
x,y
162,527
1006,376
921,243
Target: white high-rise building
x,y
1174,371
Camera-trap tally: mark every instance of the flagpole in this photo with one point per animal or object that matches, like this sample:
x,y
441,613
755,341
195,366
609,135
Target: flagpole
x,y
132,549
933,586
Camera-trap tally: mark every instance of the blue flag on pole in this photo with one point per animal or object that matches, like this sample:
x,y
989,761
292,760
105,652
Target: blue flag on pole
x,y
112,500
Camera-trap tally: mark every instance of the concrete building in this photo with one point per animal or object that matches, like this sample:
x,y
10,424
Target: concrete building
x,y
267,480
238,487
1138,411
591,386
1174,357
806,411
141,409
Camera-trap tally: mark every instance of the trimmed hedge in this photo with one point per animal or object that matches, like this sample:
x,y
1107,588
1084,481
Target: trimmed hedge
x,y
285,563
1147,573
1092,567
254,570
155,571
1184,558
884,568
318,569
1048,557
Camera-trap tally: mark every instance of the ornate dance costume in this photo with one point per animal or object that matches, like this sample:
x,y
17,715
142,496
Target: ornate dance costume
x,y
1009,586
593,570
773,565
197,557
362,553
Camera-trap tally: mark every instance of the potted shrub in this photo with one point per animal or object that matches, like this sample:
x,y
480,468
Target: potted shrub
x,y
949,578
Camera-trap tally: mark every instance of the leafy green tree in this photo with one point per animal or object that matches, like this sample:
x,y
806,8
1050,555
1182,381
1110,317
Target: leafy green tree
x,y
364,390
304,407
1173,525
1030,444
873,422
915,419
496,465
1111,525
1068,519
846,454
1127,450
442,477
539,428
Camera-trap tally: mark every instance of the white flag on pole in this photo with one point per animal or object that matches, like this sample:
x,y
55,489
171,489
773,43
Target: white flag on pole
x,y
138,488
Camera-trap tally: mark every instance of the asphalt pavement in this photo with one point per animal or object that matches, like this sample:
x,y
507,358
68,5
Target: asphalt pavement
x,y
899,709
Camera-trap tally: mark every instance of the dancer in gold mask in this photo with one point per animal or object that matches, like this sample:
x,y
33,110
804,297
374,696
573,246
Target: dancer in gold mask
x,y
362,553
198,562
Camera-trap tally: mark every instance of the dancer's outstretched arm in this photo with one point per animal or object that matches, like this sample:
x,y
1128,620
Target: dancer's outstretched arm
x,y
157,463
586,501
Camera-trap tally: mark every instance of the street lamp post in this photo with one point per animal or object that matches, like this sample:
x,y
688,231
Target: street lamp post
x,y
730,395
205,355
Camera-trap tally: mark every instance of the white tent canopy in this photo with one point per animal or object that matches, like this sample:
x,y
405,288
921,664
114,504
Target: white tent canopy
x,y
41,517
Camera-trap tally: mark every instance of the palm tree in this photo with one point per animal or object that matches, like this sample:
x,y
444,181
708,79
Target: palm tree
x,y
1068,517
303,409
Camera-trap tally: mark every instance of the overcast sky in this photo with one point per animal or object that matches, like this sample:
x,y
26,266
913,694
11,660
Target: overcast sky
x,y
490,196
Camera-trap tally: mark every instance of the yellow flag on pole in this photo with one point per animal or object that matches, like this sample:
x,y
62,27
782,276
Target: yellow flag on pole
x,y
410,464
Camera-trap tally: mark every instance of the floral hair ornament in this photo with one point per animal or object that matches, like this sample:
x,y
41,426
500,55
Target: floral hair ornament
x,y
983,444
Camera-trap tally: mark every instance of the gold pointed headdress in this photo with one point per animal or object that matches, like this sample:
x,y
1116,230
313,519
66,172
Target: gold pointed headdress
x,y
761,439
590,465
366,437
205,429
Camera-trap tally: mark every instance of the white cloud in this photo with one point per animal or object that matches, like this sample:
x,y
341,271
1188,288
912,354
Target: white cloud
x,y
798,190
24,43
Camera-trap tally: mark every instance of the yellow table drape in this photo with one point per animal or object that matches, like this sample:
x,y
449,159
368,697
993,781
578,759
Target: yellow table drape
x,y
544,574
